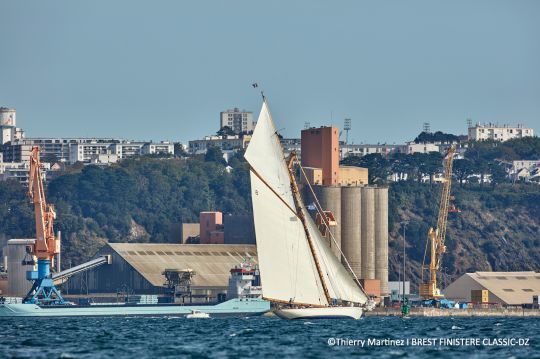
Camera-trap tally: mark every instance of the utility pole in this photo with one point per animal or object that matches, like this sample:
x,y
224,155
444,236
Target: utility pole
x,y
404,305
404,227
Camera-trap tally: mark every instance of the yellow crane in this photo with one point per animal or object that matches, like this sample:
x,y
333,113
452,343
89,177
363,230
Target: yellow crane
x,y
436,236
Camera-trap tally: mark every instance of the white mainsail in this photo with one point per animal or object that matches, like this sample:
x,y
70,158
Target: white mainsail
x,y
288,269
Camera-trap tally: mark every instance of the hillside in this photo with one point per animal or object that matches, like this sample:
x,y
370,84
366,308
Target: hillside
x,y
498,229
141,200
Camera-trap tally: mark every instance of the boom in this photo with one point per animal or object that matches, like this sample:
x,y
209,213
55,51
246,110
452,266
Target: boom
x,y
436,236
46,245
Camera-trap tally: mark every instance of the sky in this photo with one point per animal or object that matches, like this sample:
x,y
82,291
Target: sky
x,y
163,70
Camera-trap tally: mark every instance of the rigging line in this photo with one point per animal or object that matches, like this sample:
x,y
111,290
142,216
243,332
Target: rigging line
x,y
325,221
298,204
273,191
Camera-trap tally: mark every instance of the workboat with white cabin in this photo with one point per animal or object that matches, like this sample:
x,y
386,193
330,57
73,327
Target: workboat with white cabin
x,y
197,314
300,274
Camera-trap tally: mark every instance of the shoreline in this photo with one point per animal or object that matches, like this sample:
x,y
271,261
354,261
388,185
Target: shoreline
x,y
443,312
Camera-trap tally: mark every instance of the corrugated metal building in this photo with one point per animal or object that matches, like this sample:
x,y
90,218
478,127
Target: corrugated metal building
x,y
139,267
506,288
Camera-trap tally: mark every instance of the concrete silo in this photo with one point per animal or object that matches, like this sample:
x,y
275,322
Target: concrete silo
x,y
18,286
330,200
368,232
351,227
381,238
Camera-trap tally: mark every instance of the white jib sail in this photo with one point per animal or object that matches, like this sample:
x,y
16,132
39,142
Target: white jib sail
x,y
288,271
340,282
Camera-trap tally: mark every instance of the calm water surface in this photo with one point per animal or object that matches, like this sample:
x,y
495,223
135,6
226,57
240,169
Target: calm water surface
x,y
264,337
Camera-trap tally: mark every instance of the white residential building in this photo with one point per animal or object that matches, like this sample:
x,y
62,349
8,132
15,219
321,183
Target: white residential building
x,y
58,147
19,171
126,149
17,153
103,159
222,142
528,164
83,152
495,132
292,145
82,149
526,170
366,149
238,121
162,148
413,147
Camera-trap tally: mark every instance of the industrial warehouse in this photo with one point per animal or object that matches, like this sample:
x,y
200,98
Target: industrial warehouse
x,y
142,269
502,288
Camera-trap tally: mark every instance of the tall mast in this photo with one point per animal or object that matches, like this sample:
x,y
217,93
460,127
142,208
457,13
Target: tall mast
x,y
300,214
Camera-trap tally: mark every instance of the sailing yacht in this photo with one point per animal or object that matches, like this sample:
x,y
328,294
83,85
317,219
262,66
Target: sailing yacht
x,y
299,272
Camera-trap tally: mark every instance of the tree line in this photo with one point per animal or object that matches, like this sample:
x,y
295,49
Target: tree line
x,y
482,158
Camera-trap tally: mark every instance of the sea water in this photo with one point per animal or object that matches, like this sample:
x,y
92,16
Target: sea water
x,y
270,337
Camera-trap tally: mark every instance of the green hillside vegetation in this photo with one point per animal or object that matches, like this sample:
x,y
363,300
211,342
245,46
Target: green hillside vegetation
x,y
496,230
138,200
142,199
436,137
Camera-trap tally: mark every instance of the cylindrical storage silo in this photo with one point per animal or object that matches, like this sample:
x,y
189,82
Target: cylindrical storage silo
x,y
368,232
381,238
18,285
350,228
330,199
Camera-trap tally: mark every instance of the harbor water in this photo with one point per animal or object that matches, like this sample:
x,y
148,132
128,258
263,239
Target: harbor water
x,y
255,337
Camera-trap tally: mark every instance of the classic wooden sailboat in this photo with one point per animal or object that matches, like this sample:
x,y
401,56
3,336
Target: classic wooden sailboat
x,y
299,272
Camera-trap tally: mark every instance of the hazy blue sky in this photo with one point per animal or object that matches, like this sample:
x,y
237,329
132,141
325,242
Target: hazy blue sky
x,y
165,69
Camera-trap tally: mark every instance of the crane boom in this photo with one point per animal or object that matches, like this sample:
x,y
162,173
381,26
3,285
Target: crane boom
x,y
437,236
46,245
